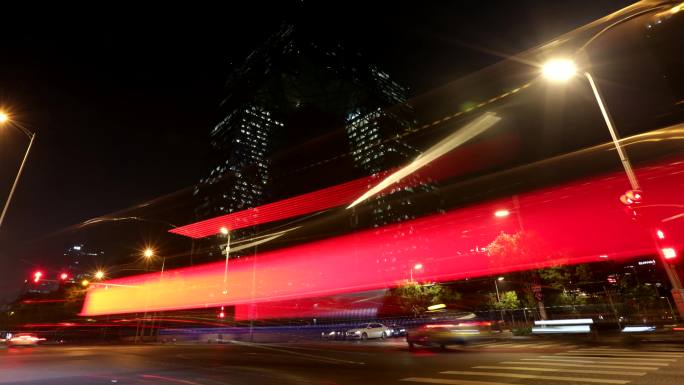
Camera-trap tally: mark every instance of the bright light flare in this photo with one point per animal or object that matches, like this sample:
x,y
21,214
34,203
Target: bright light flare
x,y
85,283
451,142
36,276
418,266
559,70
224,230
99,274
3,117
669,253
501,213
437,306
148,253
660,234
500,279
63,276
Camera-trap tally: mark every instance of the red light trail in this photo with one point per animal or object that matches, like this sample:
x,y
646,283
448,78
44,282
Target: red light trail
x,y
573,223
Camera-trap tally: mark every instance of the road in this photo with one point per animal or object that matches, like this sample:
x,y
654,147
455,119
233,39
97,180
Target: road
x,y
332,363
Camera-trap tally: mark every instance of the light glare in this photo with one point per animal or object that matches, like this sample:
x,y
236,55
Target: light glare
x,y
669,253
501,213
3,117
559,70
99,274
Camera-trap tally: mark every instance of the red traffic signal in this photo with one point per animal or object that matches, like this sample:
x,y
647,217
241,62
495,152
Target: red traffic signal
x,y
631,197
37,276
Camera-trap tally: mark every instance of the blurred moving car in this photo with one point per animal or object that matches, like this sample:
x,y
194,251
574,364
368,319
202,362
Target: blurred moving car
x,y
397,330
367,331
24,339
444,334
334,334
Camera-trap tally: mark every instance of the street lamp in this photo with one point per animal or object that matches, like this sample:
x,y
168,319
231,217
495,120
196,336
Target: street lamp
x,y
417,266
562,70
226,232
99,274
498,297
5,119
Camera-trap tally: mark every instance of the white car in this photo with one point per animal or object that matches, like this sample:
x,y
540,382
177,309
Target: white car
x,y
369,330
24,339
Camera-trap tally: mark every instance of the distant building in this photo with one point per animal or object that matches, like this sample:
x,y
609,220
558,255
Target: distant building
x,y
298,101
81,259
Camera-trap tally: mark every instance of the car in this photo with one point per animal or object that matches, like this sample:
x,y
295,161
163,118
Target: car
x,y
397,330
368,331
443,334
24,339
334,334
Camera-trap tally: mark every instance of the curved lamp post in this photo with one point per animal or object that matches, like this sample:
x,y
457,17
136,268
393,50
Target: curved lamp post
x,y
5,119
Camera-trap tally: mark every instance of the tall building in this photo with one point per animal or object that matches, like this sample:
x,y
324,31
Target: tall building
x,y
298,101
81,260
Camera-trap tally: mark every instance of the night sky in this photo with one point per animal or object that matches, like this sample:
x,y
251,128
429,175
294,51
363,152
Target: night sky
x,y
123,99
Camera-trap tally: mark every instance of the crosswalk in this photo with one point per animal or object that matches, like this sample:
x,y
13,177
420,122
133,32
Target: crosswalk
x,y
598,365
526,345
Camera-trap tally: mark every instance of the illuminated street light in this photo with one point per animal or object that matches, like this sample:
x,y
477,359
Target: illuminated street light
x,y
63,276
99,274
417,266
224,230
500,279
148,253
562,70
559,70
501,213
4,118
36,276
85,283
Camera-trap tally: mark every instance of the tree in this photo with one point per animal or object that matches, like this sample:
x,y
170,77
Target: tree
x,y
521,248
508,300
415,298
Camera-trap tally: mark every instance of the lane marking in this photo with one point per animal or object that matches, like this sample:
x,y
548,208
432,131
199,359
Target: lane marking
x,y
297,354
562,370
534,376
451,382
580,365
633,359
641,353
599,360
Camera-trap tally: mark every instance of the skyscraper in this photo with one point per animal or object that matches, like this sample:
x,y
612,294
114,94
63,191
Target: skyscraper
x,y
301,113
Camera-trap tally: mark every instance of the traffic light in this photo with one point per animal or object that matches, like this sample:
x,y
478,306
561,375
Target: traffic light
x,y
631,197
37,276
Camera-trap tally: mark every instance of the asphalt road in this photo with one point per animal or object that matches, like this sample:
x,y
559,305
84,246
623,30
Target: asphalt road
x,y
332,363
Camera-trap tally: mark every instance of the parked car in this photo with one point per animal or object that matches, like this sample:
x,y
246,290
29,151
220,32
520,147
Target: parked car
x,y
397,330
24,339
368,331
444,334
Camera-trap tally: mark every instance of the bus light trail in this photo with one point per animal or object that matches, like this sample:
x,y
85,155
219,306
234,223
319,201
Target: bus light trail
x,y
574,223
